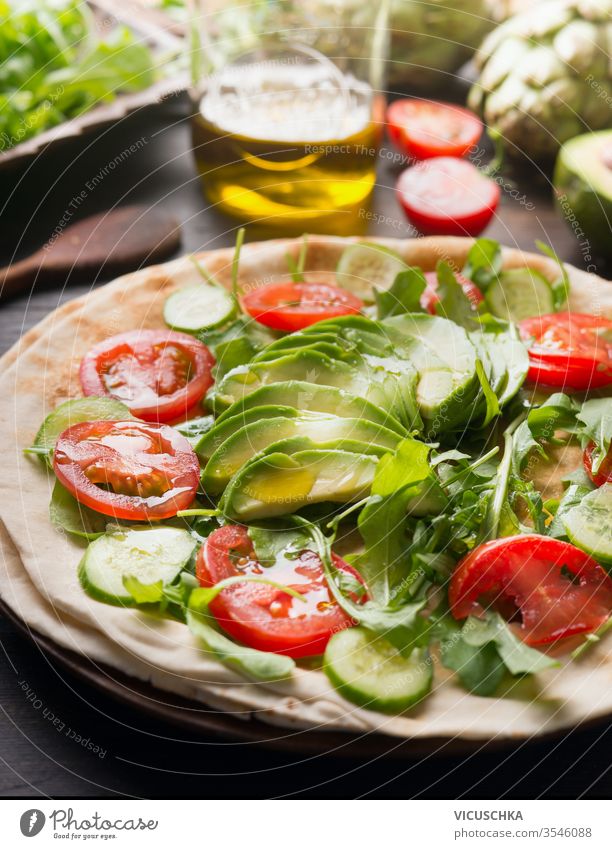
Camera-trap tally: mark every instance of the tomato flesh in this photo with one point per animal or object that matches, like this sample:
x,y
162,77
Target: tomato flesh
x,y
429,128
128,470
447,197
159,374
557,589
262,616
430,298
604,473
569,349
293,306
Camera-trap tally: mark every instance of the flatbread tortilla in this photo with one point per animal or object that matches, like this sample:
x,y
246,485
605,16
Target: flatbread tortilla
x,y
38,578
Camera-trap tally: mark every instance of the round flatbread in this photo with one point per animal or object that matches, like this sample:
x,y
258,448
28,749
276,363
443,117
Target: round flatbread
x,y
39,579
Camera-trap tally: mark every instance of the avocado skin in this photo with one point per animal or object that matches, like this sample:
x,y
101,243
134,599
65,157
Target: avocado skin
x,y
586,208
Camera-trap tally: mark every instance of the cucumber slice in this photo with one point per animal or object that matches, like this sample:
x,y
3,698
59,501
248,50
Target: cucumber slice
x,y
519,293
321,430
200,307
302,395
277,484
365,266
370,672
77,410
589,524
149,554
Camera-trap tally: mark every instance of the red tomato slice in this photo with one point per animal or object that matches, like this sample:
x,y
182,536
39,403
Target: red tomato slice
x,y
557,589
159,374
429,298
604,473
293,306
262,616
447,197
428,128
569,349
128,470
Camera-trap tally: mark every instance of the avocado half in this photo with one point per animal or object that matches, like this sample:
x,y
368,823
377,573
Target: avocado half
x,y
583,189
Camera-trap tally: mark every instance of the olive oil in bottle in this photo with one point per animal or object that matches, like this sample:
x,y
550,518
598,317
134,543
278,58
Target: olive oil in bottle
x,y
289,144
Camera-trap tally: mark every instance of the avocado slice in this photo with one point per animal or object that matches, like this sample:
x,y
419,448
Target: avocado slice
x,y
277,484
368,380
216,436
319,429
445,360
318,399
583,187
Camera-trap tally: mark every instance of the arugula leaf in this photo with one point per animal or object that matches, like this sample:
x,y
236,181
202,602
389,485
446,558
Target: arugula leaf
x,y
479,668
558,413
236,263
484,263
401,477
518,657
404,627
143,593
561,286
68,514
194,429
404,294
235,344
258,665
165,599
270,542
297,268
499,496
595,419
452,301
54,66
492,404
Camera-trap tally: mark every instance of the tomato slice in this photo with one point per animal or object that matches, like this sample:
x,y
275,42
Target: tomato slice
x,y
604,473
428,128
262,616
293,306
447,197
569,349
159,374
429,298
557,589
128,470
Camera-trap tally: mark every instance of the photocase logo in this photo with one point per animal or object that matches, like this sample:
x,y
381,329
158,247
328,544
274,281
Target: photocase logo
x,y
32,822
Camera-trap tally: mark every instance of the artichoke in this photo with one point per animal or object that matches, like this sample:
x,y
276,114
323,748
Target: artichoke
x,y
546,76
432,39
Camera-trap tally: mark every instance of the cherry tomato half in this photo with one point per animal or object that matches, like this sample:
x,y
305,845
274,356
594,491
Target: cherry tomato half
x,y
260,615
429,298
128,470
447,197
557,589
428,128
569,349
159,374
604,473
293,306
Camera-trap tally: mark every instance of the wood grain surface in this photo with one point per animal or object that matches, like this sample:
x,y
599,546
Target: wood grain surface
x,y
60,737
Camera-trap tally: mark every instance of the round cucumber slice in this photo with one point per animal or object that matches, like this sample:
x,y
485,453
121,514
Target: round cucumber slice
x,y
589,524
200,307
520,293
370,672
149,554
78,410
365,266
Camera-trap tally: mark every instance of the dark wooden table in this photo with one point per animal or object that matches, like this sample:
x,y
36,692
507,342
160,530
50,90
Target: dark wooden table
x,y
145,758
